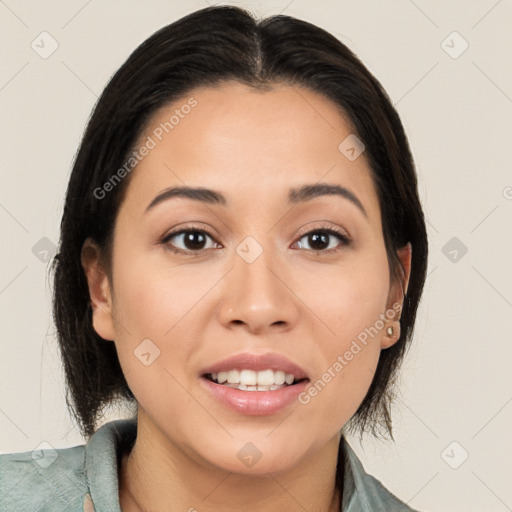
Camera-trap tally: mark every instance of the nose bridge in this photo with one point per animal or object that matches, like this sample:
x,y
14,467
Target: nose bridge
x,y
256,294
256,265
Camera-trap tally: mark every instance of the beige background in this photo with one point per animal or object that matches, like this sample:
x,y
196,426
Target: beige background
x,y
456,381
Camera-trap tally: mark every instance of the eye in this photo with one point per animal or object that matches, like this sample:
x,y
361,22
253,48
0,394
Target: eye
x,y
192,240
188,240
323,240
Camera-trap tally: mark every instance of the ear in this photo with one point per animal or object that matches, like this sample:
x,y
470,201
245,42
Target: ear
x,y
99,290
396,296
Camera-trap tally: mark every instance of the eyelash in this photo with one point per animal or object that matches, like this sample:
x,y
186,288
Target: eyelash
x,y
341,236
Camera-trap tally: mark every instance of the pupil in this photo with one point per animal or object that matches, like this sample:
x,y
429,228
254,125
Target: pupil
x,y
319,241
194,240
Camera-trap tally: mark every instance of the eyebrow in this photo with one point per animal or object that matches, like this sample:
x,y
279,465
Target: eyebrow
x,y
203,195
308,192
295,195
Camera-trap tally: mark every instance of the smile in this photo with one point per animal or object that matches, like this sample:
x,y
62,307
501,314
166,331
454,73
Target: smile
x,y
255,384
250,380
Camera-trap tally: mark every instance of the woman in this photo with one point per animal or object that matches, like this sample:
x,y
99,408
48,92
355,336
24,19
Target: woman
x,y
242,255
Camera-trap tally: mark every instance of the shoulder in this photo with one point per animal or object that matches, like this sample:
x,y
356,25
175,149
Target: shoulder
x,y
78,479
48,479
364,493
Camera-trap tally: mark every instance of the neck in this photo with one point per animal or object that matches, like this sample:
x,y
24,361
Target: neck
x,y
156,475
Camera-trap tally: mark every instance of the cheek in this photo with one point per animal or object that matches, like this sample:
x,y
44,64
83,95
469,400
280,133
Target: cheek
x,y
152,297
157,302
351,304
352,298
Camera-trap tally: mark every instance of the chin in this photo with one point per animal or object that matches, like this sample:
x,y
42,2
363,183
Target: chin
x,y
259,468
256,458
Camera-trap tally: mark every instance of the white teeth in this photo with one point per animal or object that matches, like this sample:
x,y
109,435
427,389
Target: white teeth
x,y
279,377
241,387
248,377
234,377
266,378
250,380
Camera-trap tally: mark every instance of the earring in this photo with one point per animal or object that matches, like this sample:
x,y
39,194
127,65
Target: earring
x,y
390,331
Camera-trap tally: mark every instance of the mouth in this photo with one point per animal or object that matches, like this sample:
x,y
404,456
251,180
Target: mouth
x,y
254,384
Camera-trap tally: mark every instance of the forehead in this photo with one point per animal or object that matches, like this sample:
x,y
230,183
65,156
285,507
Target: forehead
x,y
235,138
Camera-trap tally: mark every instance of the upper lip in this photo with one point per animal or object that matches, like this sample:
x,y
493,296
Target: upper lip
x,y
256,362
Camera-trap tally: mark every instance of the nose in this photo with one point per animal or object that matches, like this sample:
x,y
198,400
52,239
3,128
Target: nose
x,y
258,296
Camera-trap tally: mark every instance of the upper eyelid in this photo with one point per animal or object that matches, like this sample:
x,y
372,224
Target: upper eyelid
x,y
301,232
333,230
187,229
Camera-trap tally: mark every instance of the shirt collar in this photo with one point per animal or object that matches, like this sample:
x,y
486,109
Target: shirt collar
x,y
103,453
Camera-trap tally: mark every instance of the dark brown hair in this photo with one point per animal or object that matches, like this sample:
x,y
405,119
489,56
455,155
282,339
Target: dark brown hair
x,y
207,48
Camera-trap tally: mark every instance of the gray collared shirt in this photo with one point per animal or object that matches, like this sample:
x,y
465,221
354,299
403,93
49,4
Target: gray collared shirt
x,y
85,478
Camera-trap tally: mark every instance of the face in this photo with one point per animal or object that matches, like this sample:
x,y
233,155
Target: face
x,y
256,282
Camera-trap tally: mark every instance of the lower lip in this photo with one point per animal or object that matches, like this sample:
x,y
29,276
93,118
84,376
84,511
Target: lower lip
x,y
255,403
